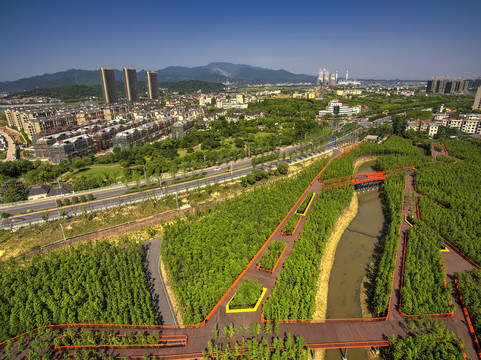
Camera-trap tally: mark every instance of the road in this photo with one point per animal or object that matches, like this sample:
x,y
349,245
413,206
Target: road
x,y
11,145
28,213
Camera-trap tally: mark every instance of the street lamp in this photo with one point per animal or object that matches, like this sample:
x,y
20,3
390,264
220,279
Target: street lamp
x,y
63,233
177,200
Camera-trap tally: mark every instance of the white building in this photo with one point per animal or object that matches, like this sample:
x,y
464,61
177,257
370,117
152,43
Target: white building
x,y
335,107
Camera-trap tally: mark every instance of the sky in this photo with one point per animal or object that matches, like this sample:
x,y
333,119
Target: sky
x,y
372,39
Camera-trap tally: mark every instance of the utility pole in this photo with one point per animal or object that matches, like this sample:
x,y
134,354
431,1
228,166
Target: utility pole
x,y
177,200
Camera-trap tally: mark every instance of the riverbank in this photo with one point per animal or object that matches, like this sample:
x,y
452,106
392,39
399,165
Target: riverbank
x,y
362,160
328,258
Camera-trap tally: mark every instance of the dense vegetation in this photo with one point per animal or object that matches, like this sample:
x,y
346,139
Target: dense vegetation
x,y
444,159
246,295
205,253
424,288
470,286
456,187
67,93
391,162
293,296
101,283
433,342
468,149
274,251
343,166
192,86
303,207
287,348
291,224
392,200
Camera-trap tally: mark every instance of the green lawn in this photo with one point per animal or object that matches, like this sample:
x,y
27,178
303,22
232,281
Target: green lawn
x,y
99,171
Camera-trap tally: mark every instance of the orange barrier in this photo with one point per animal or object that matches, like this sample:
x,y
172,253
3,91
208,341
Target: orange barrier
x,y
177,343
275,265
468,320
417,207
444,147
354,179
354,344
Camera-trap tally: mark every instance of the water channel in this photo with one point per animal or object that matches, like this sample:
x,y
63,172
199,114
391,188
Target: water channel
x,y
353,254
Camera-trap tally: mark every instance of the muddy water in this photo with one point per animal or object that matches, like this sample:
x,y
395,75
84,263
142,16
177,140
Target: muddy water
x,y
354,253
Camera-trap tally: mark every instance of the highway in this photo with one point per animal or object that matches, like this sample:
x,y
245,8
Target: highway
x,y
29,212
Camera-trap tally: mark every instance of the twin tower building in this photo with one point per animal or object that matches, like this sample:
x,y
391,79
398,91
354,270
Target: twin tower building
x,y
109,85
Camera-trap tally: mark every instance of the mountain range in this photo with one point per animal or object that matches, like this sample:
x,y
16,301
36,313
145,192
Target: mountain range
x,y
214,72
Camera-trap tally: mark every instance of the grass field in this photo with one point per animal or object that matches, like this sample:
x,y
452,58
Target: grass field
x,y
99,171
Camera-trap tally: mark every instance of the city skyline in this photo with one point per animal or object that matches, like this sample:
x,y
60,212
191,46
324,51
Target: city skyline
x,y
371,39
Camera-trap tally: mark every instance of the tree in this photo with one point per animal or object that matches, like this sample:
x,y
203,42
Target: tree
x,y
283,168
45,215
12,191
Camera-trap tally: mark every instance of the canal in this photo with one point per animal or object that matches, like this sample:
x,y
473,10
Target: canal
x,y
353,256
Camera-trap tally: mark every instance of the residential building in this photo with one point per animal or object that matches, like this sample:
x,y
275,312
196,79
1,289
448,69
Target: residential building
x,y
468,123
109,85
477,100
152,85
446,86
131,87
181,128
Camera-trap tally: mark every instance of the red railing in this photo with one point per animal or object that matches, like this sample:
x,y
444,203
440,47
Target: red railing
x,y
468,320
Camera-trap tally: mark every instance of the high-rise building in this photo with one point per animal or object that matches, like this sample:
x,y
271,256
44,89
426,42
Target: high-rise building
x,y
152,85
109,85
477,100
131,87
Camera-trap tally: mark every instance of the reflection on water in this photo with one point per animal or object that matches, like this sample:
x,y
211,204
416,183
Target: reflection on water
x,y
353,255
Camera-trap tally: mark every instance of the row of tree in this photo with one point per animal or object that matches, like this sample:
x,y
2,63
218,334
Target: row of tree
x,y
470,286
434,344
91,283
394,161
287,348
424,288
290,225
384,268
205,253
455,186
272,255
246,295
293,296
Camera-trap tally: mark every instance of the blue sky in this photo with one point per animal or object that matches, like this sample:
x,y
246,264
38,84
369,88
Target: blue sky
x,y
372,39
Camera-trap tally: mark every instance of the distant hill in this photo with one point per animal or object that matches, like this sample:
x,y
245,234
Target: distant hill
x,y
74,93
214,72
192,86
221,72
